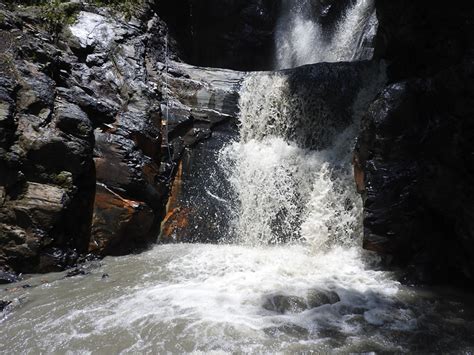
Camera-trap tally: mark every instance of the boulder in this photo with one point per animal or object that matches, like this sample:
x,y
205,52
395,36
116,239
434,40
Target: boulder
x,y
285,304
292,304
317,298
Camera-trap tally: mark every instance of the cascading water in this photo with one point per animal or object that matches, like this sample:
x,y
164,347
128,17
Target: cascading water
x,y
284,191
291,182
301,39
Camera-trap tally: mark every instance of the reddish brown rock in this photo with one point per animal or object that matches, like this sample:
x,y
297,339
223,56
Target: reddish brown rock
x,y
119,225
175,225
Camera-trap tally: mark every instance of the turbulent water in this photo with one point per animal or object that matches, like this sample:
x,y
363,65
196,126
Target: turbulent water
x,y
282,191
289,275
230,299
301,38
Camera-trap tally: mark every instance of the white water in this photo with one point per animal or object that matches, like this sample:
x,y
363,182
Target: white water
x,y
282,191
301,39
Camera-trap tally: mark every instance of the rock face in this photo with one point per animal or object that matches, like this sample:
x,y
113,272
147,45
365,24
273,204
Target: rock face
x,y
415,157
80,139
94,122
199,103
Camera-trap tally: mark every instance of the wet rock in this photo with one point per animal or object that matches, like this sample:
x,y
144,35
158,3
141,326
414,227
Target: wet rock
x,y
7,123
285,304
8,277
95,30
19,247
37,92
4,305
77,272
67,97
70,119
175,224
316,298
410,201
28,220
53,259
40,205
199,99
128,170
226,34
414,152
292,304
120,225
99,110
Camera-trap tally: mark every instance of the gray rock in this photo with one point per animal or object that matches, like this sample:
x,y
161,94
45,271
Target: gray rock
x,y
285,304
317,298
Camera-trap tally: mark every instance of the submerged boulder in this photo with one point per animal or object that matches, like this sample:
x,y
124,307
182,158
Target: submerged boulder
x,y
282,304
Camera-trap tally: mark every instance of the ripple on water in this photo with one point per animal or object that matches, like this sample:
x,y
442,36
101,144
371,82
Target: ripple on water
x,y
185,298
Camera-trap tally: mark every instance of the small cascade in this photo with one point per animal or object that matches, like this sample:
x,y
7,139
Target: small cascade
x,y
301,39
284,190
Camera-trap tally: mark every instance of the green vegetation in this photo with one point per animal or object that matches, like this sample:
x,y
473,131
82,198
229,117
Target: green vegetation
x,y
58,13
124,6
127,7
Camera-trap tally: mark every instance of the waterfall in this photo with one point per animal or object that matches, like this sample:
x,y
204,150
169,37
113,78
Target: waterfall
x,y
282,190
291,172
292,278
301,39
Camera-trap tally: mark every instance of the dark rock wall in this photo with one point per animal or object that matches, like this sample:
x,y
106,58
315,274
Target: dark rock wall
x,y
80,139
415,155
234,34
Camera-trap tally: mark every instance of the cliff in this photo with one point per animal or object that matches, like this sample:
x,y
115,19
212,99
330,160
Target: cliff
x,y
80,141
415,150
